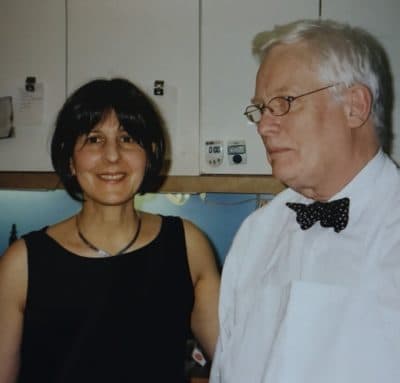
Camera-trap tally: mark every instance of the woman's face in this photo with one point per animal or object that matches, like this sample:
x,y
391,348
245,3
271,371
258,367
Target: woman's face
x,y
108,163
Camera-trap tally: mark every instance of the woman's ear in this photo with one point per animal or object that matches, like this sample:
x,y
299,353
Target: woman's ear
x,y
72,167
358,106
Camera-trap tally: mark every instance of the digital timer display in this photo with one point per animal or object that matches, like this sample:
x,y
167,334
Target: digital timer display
x,y
236,149
216,149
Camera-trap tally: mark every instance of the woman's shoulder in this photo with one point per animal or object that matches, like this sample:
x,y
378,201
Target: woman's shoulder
x,y
169,226
13,270
62,231
158,222
59,228
181,225
15,252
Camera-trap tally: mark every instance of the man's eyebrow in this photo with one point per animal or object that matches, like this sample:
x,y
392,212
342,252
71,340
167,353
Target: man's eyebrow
x,y
256,101
280,92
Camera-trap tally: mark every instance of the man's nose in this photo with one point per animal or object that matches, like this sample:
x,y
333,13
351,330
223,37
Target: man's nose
x,y
268,124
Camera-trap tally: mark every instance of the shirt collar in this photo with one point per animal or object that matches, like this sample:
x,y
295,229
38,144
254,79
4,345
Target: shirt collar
x,y
365,179
361,188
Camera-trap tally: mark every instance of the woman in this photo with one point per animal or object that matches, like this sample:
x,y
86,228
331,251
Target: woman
x,y
110,294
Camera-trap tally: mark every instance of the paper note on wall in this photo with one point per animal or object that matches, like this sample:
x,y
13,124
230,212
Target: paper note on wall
x,y
29,105
6,117
165,97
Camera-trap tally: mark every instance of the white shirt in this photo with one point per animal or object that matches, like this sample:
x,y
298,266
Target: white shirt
x,y
315,306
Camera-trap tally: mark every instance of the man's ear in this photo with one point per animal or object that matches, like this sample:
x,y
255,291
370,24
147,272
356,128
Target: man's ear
x,y
358,105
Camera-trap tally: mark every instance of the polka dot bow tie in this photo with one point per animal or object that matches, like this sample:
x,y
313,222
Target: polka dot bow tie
x,y
330,214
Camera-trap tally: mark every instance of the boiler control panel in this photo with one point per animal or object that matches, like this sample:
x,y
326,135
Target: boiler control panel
x,y
237,153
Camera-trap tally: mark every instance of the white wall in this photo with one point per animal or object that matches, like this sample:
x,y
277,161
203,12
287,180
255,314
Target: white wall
x,y
200,49
32,43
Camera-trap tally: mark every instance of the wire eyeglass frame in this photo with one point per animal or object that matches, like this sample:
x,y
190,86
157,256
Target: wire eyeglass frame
x,y
278,106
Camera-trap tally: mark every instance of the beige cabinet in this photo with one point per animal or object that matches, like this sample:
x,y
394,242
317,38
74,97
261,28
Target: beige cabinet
x,y
227,74
145,41
32,44
200,50
64,43
382,19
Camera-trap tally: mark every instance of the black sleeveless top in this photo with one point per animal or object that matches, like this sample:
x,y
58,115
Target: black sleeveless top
x,y
119,319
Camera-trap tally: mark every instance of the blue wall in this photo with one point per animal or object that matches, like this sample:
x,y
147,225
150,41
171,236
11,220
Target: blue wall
x,y
217,214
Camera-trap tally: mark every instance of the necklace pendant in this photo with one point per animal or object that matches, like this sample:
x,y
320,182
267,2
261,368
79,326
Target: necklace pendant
x,y
103,253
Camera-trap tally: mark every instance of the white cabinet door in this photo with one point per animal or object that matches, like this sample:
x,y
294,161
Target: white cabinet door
x,y
144,41
228,72
381,18
32,43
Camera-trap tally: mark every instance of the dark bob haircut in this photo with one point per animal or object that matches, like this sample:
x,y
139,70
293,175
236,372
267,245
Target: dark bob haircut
x,y
86,107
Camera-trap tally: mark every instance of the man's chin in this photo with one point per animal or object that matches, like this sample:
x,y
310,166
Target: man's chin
x,y
283,174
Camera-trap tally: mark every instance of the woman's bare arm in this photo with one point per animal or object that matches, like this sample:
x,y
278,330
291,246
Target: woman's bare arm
x,y
206,281
13,286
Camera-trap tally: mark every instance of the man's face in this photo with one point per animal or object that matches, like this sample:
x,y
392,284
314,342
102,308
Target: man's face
x,y
304,145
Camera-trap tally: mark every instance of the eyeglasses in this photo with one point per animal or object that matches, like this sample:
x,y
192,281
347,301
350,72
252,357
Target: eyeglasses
x,y
277,106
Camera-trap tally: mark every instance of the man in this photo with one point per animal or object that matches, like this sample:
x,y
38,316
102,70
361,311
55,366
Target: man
x,y
311,285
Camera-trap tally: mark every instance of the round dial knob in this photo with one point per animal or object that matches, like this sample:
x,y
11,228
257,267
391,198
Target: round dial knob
x,y
237,158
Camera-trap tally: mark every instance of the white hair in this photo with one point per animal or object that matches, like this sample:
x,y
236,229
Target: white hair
x,y
345,54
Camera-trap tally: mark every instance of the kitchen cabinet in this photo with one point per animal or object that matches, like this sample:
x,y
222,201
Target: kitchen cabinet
x,y
32,44
228,72
201,50
200,54
381,18
197,48
145,41
64,43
